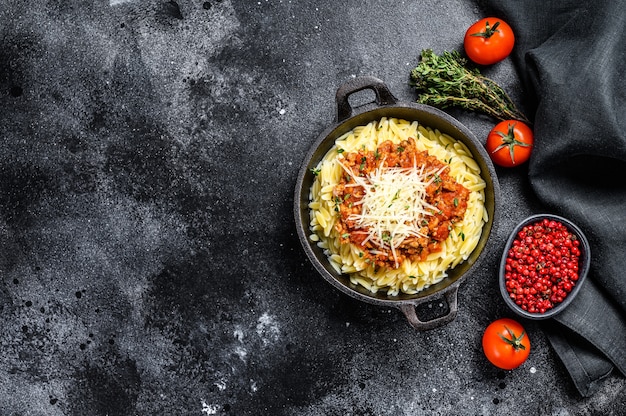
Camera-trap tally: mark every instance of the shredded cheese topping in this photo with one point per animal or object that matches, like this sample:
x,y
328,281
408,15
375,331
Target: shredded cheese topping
x,y
394,204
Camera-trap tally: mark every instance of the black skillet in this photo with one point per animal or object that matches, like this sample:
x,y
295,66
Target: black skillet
x,y
386,105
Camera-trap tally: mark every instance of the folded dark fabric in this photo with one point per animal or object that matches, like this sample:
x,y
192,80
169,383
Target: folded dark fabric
x,y
571,57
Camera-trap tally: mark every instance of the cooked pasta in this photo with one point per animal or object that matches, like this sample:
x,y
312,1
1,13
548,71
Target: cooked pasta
x,y
395,205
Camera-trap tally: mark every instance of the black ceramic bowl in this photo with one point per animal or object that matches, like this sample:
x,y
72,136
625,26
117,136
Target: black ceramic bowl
x,y
583,267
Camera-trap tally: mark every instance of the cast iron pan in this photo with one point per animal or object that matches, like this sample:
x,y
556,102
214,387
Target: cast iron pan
x,y
386,105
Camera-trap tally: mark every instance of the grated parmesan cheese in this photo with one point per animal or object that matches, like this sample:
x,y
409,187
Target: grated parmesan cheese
x,y
394,204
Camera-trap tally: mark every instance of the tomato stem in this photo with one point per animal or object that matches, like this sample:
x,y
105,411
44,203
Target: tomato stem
x,y
514,341
509,140
489,31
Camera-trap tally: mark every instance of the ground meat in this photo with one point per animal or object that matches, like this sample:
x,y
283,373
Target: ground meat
x,y
447,198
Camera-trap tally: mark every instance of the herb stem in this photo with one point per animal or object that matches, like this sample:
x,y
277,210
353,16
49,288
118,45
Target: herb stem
x,y
445,81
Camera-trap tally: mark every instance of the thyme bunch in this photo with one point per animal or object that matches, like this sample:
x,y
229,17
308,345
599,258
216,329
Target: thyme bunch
x,y
445,81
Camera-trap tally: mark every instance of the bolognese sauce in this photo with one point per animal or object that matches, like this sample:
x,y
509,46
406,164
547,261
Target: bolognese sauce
x,y
396,202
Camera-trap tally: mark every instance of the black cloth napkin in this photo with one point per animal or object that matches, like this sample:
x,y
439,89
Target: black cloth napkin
x,y
571,57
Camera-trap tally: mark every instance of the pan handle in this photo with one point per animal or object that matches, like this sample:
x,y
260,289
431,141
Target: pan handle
x,y
411,315
383,95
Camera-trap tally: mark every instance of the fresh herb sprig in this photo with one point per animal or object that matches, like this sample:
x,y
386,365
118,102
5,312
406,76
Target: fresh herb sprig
x,y
445,81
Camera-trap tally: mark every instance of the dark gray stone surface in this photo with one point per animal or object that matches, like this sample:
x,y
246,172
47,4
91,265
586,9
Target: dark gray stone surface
x,y
148,255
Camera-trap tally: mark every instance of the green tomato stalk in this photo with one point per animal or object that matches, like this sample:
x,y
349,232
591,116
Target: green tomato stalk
x,y
514,341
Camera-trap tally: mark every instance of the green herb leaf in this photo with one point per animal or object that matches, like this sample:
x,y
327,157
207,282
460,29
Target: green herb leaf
x,y
445,81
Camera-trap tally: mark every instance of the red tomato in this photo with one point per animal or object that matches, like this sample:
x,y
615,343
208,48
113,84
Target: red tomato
x,y
510,143
505,344
488,41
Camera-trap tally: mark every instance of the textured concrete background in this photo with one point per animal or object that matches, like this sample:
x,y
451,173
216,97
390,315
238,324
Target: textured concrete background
x,y
148,255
